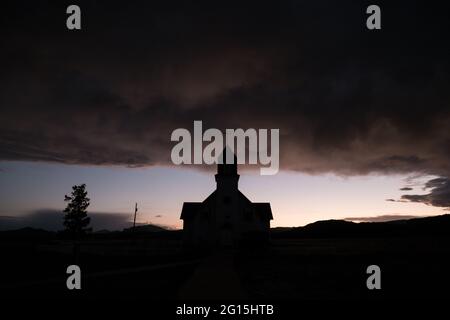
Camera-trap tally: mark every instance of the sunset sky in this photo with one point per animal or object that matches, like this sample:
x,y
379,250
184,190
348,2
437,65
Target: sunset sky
x,y
37,190
362,114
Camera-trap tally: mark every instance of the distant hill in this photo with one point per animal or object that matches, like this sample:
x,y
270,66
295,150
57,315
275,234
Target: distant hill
x,y
436,226
145,228
280,229
27,233
429,226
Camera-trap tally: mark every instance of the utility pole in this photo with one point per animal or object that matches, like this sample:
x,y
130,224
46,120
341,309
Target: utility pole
x,y
135,212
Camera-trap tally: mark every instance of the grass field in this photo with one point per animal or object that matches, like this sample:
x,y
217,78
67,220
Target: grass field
x,y
289,269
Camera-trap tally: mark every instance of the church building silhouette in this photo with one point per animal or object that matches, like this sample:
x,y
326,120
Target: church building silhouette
x,y
227,217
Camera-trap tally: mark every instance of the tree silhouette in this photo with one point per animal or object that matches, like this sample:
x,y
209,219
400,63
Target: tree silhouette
x,y
76,219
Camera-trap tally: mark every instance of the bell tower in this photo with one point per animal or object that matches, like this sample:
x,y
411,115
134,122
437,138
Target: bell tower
x,y
227,199
227,177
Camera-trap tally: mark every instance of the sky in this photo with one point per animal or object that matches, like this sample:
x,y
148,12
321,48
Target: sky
x,y
362,114
33,193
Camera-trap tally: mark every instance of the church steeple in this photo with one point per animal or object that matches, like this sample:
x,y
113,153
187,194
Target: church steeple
x,y
227,172
224,167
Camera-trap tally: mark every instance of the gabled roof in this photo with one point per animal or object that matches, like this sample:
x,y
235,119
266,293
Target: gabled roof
x,y
243,197
211,197
189,209
263,209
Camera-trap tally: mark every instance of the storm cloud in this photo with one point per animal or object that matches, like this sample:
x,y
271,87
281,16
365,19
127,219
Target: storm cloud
x,y
438,196
346,100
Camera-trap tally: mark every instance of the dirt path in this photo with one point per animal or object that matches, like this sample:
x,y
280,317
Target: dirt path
x,y
214,279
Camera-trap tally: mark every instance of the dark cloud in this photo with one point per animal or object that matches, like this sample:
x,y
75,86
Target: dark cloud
x,y
382,218
52,220
346,100
438,196
396,200
406,189
158,216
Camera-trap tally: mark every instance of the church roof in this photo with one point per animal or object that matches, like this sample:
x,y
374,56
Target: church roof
x,y
190,209
243,197
211,197
263,209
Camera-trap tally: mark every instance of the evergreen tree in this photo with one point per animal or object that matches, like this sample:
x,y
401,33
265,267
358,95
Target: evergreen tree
x,y
76,219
